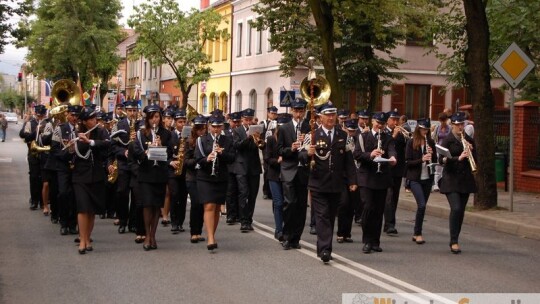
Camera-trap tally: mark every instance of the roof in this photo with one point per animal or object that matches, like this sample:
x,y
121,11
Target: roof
x,y
130,39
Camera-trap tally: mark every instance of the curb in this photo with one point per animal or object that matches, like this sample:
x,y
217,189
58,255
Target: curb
x,y
478,220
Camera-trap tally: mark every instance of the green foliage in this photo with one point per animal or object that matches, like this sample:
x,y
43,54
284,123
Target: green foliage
x,y
167,35
73,37
12,100
517,21
8,9
365,33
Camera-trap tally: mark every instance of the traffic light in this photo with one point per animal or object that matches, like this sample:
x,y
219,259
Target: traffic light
x,y
19,77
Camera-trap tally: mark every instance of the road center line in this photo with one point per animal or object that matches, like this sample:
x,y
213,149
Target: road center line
x,y
364,272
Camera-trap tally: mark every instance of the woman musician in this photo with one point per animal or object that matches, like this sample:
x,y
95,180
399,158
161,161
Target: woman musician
x,y
213,152
458,181
152,175
89,177
419,156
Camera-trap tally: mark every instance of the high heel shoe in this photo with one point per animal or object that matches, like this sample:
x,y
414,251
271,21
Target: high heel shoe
x,y
212,246
418,239
455,250
82,251
89,248
147,247
122,229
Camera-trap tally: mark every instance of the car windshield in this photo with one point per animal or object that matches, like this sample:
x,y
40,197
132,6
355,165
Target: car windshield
x,y
11,114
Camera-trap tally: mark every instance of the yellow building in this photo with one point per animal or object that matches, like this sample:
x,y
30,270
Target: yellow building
x,y
214,93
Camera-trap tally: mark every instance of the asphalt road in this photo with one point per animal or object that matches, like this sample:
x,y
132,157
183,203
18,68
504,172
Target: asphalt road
x,y
37,264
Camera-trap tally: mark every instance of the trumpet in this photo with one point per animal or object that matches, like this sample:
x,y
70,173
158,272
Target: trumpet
x,y
467,148
405,133
257,140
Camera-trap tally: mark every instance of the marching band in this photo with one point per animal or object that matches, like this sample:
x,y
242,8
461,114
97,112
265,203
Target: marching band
x,y
347,166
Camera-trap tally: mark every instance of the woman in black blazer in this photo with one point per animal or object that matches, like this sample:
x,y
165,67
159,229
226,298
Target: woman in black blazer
x,y
458,181
419,155
89,155
213,152
152,176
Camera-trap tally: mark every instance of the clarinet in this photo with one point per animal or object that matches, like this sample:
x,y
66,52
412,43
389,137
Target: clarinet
x,y
379,147
154,139
214,161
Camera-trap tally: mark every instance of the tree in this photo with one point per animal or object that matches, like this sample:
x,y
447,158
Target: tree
x,y
12,100
516,21
167,35
9,8
354,37
73,38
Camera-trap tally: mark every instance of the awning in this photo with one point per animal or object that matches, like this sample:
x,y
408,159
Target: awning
x,y
165,97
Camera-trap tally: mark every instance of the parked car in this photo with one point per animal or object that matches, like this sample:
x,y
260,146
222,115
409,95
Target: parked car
x,y
11,117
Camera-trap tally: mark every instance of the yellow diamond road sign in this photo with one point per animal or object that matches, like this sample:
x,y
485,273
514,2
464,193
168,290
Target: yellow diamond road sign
x,y
514,65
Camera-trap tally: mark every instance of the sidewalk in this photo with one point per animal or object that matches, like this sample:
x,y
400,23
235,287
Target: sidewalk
x,y
524,221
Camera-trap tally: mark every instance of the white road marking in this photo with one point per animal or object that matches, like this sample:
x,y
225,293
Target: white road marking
x,y
364,272
6,160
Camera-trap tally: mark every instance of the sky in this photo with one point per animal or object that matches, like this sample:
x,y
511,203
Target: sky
x,y
12,58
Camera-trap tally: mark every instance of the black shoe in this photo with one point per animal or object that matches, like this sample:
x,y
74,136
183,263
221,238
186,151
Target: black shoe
x,y
392,232
286,245
102,216
132,229
146,247
153,247
376,248
230,221
278,236
325,256
313,230
54,220
296,246
367,248
139,239
82,251
212,246
64,231
73,230
121,229
181,229
358,221
250,227
244,228
89,248
34,206
455,251
165,222
194,239
175,229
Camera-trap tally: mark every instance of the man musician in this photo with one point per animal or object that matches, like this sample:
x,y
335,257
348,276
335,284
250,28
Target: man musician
x,y
333,164
376,154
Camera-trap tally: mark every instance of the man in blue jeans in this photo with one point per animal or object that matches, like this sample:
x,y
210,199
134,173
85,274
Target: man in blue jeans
x,y
4,125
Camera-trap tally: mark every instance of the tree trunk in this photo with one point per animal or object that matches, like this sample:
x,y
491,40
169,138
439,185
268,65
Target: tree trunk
x,y
479,87
322,13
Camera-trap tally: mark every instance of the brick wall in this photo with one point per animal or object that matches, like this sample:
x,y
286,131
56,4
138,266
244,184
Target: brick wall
x,y
525,147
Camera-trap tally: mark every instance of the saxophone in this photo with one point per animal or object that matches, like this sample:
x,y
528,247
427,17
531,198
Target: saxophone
x,y
180,157
111,178
467,147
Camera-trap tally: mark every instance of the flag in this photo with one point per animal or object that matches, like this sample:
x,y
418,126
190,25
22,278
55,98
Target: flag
x,y
80,87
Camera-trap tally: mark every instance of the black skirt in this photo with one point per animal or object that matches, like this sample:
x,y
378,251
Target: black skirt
x,y
90,198
151,194
212,192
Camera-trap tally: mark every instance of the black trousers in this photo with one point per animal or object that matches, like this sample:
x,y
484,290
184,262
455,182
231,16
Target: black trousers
x,y
36,183
374,202
458,202
231,198
196,212
67,209
325,206
266,185
358,207
392,199
122,197
248,186
178,192
136,214
294,209
346,211
53,193
110,199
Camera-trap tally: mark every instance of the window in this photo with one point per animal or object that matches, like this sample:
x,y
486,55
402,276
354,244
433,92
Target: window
x,y
259,42
223,98
155,72
269,98
416,101
204,103
223,49
270,49
144,71
238,97
248,39
239,40
217,44
210,49
253,99
150,70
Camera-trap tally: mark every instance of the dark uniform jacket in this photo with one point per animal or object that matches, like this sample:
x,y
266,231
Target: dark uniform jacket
x,y
60,160
413,159
28,134
400,144
271,155
327,174
289,164
203,148
457,175
91,169
247,161
119,144
148,172
367,173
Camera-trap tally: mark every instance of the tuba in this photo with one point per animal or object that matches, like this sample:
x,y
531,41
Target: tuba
x,y
316,90
64,92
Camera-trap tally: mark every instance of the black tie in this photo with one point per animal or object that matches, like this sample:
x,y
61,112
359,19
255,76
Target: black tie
x,y
330,135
